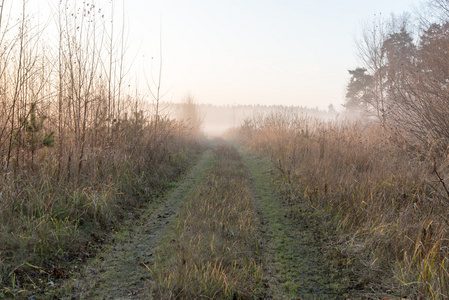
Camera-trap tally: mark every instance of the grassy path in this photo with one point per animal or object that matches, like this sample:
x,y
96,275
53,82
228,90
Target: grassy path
x,y
223,233
298,261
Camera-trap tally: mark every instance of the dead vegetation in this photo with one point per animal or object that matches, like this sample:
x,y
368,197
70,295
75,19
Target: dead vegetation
x,y
382,176
389,204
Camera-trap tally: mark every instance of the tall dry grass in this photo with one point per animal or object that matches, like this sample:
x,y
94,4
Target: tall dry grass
x,y
77,149
387,201
46,223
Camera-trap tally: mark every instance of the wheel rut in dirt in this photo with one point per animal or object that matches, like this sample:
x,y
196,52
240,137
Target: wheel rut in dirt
x,y
119,272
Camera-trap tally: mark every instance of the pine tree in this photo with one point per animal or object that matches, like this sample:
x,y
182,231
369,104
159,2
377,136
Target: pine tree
x,y
359,90
34,137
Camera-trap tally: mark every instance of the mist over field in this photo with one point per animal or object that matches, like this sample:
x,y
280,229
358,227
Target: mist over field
x,y
218,119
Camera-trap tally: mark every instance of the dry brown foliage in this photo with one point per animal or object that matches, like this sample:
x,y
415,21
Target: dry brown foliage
x,y
390,204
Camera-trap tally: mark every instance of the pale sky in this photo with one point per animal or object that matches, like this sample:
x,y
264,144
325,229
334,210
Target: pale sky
x,y
247,51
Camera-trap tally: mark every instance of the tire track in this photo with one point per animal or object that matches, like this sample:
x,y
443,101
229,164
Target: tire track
x,y
119,272
293,249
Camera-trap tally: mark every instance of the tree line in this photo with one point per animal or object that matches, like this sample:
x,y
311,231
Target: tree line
x,y
403,77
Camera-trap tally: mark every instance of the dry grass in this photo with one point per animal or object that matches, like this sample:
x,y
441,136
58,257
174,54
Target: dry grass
x,y
210,253
78,146
388,204
45,223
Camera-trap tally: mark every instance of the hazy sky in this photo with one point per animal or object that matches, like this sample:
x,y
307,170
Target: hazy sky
x,y
247,51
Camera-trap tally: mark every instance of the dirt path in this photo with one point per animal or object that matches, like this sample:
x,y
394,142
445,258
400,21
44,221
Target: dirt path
x,y
119,272
299,262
